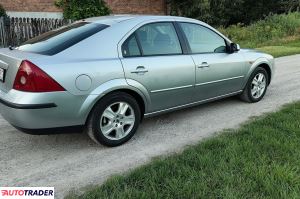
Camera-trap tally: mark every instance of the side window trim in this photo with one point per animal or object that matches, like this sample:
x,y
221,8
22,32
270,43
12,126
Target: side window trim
x,y
186,40
185,47
137,38
179,35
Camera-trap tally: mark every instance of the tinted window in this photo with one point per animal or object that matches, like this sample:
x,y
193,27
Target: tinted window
x,y
158,39
55,41
202,39
130,48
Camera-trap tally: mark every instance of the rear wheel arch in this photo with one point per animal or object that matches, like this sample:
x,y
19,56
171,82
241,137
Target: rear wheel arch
x,y
137,96
113,129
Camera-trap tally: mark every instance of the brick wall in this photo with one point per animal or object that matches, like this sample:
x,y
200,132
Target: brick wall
x,y
117,6
30,5
137,6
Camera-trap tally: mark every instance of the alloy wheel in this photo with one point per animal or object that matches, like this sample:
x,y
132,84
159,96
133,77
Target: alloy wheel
x,y
258,85
117,121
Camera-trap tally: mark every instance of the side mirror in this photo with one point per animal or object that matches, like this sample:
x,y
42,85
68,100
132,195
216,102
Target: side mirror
x,y
234,47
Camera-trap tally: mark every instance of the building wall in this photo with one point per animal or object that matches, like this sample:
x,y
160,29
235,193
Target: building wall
x,y
138,6
29,7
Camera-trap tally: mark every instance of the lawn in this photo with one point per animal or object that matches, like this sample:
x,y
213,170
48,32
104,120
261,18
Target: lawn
x,y
279,51
282,47
261,159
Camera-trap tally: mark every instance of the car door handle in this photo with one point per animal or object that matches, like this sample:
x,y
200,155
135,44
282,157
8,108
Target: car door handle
x,y
203,65
140,70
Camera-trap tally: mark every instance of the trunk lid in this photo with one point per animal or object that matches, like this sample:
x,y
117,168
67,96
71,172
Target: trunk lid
x,y
10,61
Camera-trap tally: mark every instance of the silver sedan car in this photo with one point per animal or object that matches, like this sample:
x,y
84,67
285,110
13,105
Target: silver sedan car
x,y
108,73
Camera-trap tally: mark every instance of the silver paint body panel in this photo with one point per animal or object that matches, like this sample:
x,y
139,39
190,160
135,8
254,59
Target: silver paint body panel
x,y
171,82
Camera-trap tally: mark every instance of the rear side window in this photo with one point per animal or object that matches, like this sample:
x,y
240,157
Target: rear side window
x,y
58,40
159,39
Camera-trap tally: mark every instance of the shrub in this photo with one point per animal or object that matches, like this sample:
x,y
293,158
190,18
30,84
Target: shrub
x,y
2,11
265,32
80,9
229,12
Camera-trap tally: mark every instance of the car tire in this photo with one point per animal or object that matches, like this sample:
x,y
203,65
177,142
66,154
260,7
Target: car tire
x,y
114,120
254,93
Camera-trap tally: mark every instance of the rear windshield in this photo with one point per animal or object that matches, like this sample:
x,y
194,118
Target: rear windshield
x,y
58,40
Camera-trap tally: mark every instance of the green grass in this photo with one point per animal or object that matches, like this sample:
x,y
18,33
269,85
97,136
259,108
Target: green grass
x,y
283,47
279,51
259,160
278,35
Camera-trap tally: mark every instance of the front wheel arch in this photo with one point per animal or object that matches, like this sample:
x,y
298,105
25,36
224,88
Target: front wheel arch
x,y
263,63
268,69
246,94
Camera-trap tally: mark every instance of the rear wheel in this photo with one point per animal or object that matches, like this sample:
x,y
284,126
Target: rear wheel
x,y
114,120
256,87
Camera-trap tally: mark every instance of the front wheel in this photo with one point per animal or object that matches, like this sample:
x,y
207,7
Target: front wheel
x,y
256,87
114,120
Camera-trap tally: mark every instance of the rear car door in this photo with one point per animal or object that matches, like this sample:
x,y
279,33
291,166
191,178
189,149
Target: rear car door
x,y
218,72
153,57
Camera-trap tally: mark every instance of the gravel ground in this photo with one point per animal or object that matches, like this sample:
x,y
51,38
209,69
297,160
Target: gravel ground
x,y
71,161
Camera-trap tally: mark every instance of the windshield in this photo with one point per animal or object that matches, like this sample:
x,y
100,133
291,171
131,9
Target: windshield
x,y
56,41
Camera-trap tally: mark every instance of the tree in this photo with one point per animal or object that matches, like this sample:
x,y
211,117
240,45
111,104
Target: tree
x,y
228,12
2,11
289,6
80,9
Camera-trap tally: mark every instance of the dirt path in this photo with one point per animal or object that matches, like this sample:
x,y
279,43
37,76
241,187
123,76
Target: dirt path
x,y
73,161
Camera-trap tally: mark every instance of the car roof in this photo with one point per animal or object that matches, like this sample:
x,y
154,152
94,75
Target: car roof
x,y
133,20
113,19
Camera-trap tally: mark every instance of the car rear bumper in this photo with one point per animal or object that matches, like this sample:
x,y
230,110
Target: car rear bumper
x,y
27,106
42,110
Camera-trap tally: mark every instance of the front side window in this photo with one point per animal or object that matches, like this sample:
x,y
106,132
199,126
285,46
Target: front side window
x,y
202,39
158,39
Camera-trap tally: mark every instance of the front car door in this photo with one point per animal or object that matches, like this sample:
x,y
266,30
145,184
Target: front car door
x,y
218,73
153,57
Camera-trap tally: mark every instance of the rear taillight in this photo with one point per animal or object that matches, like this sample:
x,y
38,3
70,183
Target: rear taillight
x,y
31,78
